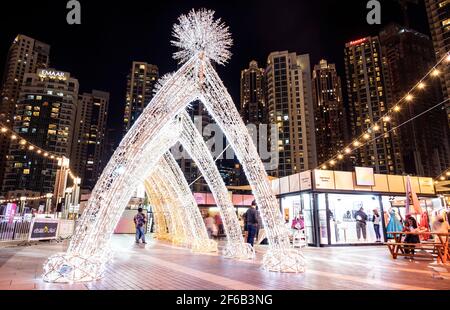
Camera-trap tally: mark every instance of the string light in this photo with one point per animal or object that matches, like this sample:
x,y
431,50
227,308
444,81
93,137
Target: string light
x,y
31,198
409,97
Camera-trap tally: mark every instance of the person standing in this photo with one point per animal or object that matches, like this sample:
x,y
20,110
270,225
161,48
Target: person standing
x,y
210,225
376,224
139,220
252,223
361,219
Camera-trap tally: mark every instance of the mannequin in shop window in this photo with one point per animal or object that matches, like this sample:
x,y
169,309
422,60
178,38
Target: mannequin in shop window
x,y
361,218
376,224
394,224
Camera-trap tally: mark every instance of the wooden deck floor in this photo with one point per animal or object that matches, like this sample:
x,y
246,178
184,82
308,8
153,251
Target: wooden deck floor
x,y
161,266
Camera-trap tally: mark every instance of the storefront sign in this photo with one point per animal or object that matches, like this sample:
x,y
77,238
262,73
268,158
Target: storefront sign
x,y
426,186
364,176
396,184
343,180
276,186
324,179
294,183
381,183
284,185
305,180
43,229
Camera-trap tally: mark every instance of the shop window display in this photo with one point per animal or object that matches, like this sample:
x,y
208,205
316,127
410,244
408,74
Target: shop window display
x,y
297,212
352,219
395,213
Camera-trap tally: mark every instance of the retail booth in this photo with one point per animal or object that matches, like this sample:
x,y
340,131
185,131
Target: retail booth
x,y
328,202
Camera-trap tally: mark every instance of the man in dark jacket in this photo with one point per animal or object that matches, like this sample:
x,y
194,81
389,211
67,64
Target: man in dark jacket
x,y
251,217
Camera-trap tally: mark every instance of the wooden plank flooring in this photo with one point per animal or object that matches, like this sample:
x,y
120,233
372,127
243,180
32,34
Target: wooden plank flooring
x,y
159,266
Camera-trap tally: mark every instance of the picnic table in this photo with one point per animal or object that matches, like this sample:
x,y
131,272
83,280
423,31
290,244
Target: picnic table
x,y
438,248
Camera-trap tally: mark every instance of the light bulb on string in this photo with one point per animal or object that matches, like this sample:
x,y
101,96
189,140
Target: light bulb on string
x,y
3,130
366,136
387,118
376,127
356,143
421,85
409,97
435,72
396,108
347,150
13,137
340,156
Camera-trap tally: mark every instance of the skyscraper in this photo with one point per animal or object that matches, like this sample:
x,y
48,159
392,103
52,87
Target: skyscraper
x,y
290,105
140,83
90,137
25,55
424,141
45,116
369,99
329,115
438,12
253,100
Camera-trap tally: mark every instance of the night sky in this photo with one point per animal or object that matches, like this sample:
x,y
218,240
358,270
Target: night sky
x,y
99,52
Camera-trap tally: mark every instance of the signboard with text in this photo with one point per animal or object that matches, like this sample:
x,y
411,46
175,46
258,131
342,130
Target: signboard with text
x,y
43,229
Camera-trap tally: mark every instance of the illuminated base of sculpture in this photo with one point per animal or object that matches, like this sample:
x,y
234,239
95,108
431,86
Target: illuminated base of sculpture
x,y
238,250
204,246
62,268
284,260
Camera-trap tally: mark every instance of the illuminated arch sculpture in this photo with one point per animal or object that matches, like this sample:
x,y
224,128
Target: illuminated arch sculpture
x,y
201,39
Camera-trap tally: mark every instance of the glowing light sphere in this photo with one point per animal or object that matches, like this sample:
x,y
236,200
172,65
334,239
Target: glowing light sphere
x,y
198,32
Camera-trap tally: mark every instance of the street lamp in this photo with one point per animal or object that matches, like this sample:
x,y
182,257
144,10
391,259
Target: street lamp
x,y
48,203
22,204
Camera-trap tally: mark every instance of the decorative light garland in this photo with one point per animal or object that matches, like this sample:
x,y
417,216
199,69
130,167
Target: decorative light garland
x,y
23,198
443,176
28,146
364,138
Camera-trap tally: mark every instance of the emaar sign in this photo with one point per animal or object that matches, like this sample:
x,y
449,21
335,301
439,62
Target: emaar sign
x,y
52,74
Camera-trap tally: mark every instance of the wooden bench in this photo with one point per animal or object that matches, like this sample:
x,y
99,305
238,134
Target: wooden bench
x,y
433,250
438,249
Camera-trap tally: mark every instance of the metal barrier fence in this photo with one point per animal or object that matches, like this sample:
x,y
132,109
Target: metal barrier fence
x,y
14,229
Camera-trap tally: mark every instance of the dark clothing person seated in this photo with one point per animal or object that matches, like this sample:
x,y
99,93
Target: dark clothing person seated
x,y
411,227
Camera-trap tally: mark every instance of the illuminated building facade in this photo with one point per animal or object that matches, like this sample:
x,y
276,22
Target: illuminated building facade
x,y
140,83
329,118
424,141
45,116
369,98
25,55
290,103
90,137
438,12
